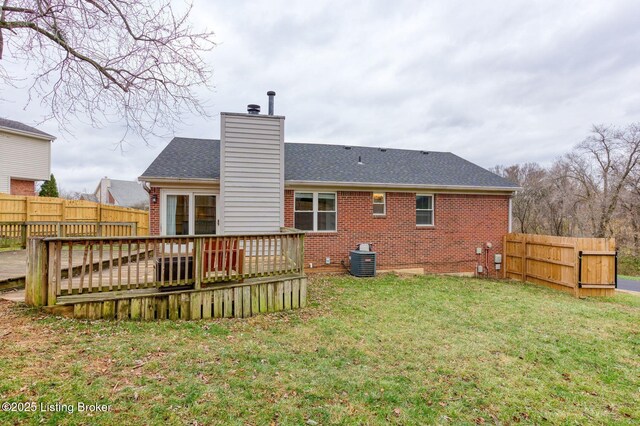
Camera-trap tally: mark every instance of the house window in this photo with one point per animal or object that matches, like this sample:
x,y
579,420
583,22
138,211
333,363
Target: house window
x,y
315,211
379,203
424,210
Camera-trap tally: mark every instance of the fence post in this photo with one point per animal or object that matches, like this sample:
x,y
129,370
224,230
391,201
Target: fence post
x,y
524,257
23,235
134,229
27,207
36,280
301,254
504,257
197,261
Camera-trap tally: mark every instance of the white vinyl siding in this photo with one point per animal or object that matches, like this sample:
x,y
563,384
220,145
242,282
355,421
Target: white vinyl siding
x,y
22,157
251,173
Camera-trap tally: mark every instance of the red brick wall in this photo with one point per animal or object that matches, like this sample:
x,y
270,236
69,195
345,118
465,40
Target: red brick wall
x,y
23,187
154,211
462,223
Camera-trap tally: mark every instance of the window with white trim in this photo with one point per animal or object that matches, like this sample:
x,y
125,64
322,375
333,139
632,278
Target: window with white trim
x,y
379,203
424,210
315,211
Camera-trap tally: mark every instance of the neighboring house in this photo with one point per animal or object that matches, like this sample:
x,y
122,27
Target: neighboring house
x,y
25,157
122,193
418,208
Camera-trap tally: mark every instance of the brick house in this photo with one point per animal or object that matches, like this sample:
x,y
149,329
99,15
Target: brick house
x,y
25,157
418,208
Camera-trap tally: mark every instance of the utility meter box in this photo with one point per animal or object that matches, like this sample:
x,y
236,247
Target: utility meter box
x,y
497,258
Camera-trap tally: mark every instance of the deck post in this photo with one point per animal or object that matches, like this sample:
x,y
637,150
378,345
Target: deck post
x,y
197,261
23,234
301,254
36,279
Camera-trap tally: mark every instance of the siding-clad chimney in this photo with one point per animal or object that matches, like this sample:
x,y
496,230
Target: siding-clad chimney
x,y
251,173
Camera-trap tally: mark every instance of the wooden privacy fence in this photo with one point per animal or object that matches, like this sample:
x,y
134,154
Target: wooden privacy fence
x,y
22,217
581,266
16,233
70,271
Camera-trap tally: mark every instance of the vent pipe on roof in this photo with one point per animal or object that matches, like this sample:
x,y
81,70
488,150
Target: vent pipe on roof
x,y
253,109
271,94
360,163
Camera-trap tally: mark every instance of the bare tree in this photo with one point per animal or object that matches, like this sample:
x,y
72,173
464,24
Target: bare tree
x,y
601,165
69,194
130,61
630,215
527,202
560,208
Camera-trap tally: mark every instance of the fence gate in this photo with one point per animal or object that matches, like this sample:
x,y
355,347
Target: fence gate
x,y
581,266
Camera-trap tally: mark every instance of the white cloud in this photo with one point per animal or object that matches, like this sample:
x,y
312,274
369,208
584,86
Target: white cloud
x,y
492,81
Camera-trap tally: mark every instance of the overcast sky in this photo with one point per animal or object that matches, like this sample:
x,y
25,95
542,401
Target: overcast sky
x,y
496,82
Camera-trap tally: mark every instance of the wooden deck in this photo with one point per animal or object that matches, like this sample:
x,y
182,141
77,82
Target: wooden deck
x,y
186,277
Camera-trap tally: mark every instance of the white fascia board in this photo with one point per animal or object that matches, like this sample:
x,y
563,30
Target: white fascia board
x,y
47,138
164,180
292,184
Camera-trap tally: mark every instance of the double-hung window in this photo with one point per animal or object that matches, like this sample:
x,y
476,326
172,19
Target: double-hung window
x,y
315,211
379,203
424,210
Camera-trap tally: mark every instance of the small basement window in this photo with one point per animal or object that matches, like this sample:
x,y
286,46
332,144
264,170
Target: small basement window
x,y
379,203
424,210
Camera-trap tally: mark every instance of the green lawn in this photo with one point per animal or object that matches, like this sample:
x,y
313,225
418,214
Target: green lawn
x,y
366,351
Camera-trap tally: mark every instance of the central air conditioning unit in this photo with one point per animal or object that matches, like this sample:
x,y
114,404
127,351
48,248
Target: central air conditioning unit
x,y
363,262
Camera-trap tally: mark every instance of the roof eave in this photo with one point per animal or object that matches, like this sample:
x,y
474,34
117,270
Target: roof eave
x,y
403,186
163,179
45,137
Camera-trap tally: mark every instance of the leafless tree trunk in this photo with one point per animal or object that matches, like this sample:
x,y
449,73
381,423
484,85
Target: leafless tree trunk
x,y
125,61
527,202
601,166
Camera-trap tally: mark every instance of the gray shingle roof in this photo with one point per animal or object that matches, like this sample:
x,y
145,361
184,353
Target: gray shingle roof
x,y
128,193
89,197
199,159
187,158
16,125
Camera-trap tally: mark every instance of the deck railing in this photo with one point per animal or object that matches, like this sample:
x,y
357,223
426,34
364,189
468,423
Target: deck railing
x,y
79,266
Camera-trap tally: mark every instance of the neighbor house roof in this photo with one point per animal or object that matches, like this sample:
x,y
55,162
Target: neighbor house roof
x,y
23,128
128,193
186,158
89,197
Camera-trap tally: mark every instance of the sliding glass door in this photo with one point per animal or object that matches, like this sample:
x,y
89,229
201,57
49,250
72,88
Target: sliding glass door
x,y
188,213
205,214
177,215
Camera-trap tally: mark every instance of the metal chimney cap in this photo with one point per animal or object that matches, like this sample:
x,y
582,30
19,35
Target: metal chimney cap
x,y
253,109
271,93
